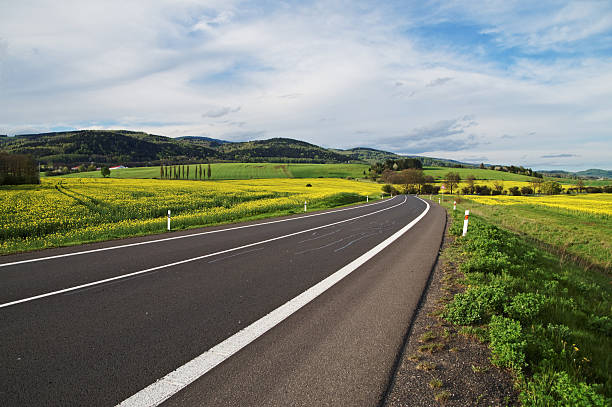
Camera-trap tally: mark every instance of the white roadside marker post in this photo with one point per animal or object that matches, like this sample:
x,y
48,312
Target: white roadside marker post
x,y
465,222
305,202
439,201
454,205
368,198
168,219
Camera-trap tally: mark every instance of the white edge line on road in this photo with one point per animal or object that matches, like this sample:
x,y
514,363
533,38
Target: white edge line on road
x,y
175,381
102,249
135,273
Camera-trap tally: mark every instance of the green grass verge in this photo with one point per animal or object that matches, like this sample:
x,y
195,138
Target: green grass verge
x,y
224,171
550,322
581,237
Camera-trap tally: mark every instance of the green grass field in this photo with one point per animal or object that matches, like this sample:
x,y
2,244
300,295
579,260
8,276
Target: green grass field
x,y
439,172
590,182
544,317
581,236
225,171
482,174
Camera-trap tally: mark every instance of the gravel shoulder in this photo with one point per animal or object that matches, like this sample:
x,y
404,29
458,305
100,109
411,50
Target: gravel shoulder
x,y
441,364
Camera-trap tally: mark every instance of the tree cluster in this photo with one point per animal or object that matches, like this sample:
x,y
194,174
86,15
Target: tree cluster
x,y
379,169
18,169
515,170
413,180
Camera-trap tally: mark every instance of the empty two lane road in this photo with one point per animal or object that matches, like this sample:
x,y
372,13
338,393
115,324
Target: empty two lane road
x,y
101,325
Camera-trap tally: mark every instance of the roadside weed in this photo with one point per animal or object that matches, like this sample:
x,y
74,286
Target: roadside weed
x,y
548,321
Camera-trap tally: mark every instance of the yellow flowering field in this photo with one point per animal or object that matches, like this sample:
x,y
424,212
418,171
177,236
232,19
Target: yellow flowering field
x,y
73,210
491,183
599,204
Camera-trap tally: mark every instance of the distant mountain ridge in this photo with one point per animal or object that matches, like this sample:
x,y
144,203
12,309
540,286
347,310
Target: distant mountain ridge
x,y
139,148
136,148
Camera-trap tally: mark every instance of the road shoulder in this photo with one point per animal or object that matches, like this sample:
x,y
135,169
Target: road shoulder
x,y
440,365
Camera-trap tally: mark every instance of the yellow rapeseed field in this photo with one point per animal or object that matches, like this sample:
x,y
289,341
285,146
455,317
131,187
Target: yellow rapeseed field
x,y
599,204
72,210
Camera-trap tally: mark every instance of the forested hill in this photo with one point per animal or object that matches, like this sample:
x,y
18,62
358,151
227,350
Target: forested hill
x,y
372,155
281,150
592,173
101,146
137,148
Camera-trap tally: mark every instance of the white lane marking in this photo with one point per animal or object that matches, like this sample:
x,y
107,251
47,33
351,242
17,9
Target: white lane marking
x,y
176,263
102,249
175,381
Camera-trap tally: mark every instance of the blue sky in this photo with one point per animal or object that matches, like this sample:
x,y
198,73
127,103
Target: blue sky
x,y
511,82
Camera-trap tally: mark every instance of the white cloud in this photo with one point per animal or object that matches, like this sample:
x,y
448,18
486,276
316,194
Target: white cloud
x,y
220,111
230,69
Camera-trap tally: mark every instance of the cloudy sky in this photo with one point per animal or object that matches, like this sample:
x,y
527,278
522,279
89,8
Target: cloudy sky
x,y
509,82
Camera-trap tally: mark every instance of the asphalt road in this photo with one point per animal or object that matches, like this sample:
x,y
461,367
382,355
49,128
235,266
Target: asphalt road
x,y
98,324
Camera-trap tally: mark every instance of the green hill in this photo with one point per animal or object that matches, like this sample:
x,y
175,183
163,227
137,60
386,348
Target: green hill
x,y
137,149
595,173
372,155
101,146
281,150
141,149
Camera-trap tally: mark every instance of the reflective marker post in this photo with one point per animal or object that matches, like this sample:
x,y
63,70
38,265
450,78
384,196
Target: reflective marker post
x,y
168,219
454,205
305,202
465,222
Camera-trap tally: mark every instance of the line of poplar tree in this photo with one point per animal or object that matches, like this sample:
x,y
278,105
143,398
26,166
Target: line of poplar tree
x,y
182,172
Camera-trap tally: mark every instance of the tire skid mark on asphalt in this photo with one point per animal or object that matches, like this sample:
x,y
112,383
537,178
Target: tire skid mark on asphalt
x,y
356,240
327,245
237,254
319,237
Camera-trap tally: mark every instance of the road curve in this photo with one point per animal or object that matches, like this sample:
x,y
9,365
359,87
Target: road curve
x,y
96,325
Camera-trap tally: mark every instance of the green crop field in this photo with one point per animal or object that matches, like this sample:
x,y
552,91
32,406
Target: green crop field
x,y
537,290
439,172
580,227
224,171
587,182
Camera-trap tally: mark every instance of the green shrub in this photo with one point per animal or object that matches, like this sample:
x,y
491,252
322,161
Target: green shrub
x,y
524,306
557,389
494,262
507,342
476,305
